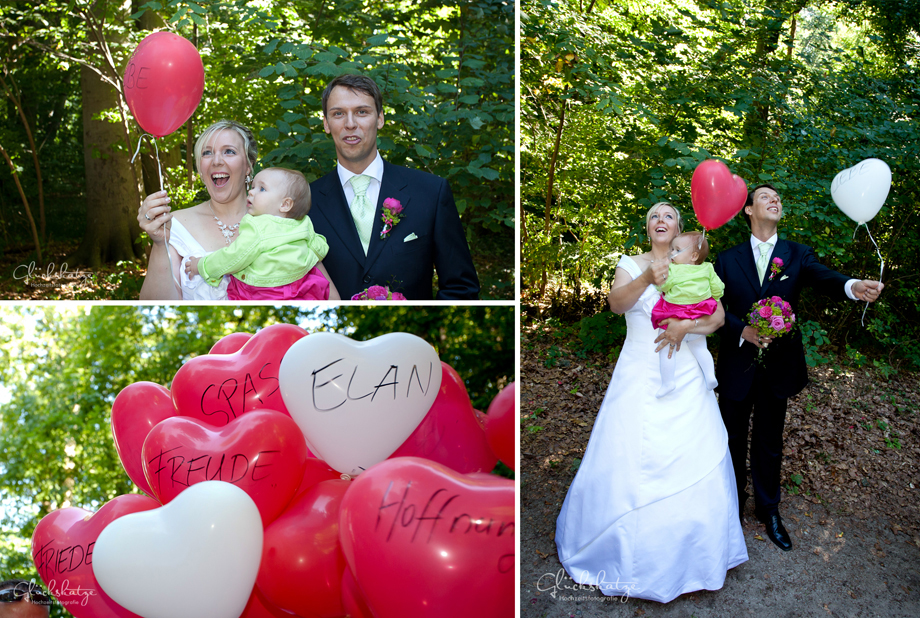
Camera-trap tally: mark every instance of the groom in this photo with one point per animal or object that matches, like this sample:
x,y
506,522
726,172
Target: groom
x,y
349,204
745,383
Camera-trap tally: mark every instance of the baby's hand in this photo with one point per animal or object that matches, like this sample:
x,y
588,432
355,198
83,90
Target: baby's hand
x,y
191,267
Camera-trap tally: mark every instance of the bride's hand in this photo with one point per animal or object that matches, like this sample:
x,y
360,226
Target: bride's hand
x,y
657,272
153,215
675,333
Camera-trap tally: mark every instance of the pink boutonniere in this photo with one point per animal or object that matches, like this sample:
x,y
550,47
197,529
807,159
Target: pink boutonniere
x,y
391,215
776,267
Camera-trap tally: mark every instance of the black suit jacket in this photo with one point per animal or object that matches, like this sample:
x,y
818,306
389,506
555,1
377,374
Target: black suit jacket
x,y
429,212
784,359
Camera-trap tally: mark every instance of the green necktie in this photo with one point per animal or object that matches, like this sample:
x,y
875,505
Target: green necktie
x,y
361,210
762,260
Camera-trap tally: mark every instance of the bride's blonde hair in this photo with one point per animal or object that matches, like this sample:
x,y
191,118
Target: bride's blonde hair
x,y
654,209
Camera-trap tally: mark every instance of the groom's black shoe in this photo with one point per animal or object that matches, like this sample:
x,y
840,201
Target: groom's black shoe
x,y
776,531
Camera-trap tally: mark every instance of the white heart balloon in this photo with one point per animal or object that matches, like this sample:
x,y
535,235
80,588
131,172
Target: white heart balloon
x,y
357,402
197,556
860,191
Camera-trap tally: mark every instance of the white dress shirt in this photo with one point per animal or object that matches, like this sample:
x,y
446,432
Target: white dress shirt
x,y
374,170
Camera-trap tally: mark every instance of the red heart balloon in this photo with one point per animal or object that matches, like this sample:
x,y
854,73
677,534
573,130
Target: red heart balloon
x,y
217,388
164,81
259,607
230,343
316,471
450,433
302,560
137,409
717,195
353,598
261,452
62,550
501,420
423,540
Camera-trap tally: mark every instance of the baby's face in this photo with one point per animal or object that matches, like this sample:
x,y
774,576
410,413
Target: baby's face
x,y
267,193
681,250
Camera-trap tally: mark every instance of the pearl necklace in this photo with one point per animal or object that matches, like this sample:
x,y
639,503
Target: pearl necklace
x,y
226,230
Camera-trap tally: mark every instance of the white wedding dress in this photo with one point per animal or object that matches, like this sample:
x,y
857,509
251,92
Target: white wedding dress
x,y
194,288
653,510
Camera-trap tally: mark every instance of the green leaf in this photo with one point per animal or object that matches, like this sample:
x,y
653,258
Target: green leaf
x,y
270,133
324,68
378,39
476,122
469,99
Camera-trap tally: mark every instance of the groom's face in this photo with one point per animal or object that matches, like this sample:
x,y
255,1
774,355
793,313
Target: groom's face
x,y
766,207
352,120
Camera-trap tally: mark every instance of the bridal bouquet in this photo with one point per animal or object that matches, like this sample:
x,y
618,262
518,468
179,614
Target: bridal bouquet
x,y
378,292
772,317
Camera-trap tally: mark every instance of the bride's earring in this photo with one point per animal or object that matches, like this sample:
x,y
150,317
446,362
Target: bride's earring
x,y
248,181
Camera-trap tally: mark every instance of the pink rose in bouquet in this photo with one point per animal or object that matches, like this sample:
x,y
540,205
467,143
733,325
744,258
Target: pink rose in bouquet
x,y
378,292
771,317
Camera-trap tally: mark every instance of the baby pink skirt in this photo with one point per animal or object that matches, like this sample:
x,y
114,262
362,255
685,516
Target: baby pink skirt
x,y
663,309
313,286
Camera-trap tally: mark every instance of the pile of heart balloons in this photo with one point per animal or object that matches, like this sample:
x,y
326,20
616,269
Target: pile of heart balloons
x,y
293,475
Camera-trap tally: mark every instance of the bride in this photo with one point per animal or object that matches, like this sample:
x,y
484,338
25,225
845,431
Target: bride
x,y
653,510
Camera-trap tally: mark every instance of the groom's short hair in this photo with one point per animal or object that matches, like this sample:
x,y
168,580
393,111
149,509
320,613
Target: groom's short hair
x,y
750,200
361,83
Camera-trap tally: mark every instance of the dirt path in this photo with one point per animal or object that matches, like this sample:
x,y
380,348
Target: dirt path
x,y
839,566
851,498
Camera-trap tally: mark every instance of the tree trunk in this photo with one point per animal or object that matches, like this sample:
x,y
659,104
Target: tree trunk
x,y
25,202
547,217
111,192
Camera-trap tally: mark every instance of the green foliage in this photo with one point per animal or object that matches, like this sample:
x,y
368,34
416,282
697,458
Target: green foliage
x,y
813,337
602,333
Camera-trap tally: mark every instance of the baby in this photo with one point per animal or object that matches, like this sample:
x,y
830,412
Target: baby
x,y
277,255
690,291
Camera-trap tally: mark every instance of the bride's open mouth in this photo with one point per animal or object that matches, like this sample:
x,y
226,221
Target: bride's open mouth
x,y
220,180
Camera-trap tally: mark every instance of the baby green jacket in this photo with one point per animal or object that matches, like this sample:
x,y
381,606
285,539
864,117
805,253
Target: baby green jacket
x,y
269,251
692,283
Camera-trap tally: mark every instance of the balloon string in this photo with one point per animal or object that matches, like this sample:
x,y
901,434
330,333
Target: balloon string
x,y
880,272
156,151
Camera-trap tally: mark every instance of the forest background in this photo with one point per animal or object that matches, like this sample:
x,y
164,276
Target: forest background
x,y
62,366
68,193
622,100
